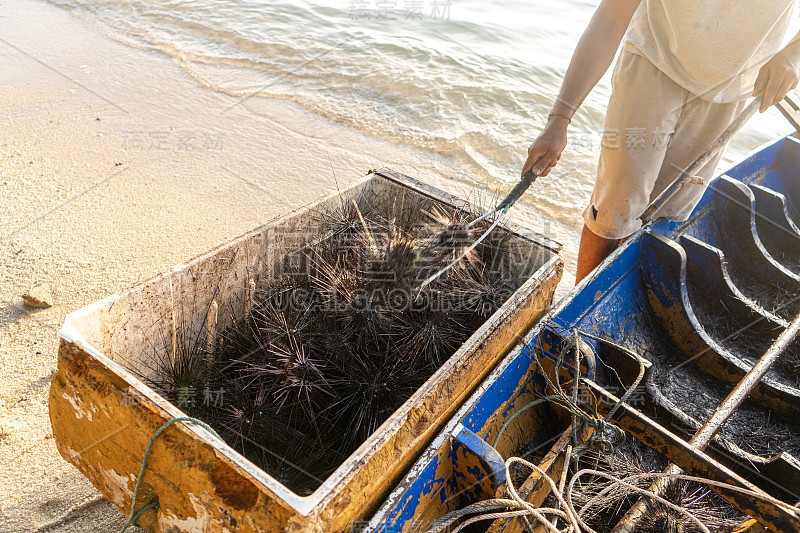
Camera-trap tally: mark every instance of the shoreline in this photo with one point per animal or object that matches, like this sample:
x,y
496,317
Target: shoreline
x,y
445,171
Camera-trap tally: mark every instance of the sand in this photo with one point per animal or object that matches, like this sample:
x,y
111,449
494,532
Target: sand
x,y
115,165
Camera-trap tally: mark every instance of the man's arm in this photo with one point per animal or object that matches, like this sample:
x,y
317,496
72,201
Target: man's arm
x,y
593,55
779,75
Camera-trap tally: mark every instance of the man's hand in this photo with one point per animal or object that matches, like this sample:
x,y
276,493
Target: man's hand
x,y
546,150
778,76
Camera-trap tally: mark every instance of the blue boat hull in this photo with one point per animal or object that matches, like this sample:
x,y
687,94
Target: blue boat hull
x,y
698,301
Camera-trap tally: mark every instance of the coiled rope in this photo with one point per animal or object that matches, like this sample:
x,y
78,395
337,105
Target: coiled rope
x,y
517,507
602,426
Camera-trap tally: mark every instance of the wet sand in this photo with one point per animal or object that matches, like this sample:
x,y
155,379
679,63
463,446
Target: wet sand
x,y
115,165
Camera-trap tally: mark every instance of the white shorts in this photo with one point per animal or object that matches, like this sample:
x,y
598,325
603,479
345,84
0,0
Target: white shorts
x,y
654,129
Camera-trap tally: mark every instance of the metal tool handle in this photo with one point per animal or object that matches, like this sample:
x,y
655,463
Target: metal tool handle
x,y
518,190
695,166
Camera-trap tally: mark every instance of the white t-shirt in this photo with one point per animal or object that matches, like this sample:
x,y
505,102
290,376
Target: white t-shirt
x,y
712,48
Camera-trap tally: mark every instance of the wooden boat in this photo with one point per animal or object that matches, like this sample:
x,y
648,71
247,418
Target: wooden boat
x,y
103,416
678,314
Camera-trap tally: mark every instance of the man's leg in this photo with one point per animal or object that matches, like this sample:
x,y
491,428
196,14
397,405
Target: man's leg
x,y
592,251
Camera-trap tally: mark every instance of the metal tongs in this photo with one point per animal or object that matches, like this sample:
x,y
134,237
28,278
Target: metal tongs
x,y
516,193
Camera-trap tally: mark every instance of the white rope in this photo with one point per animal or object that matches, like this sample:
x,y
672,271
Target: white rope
x,y
568,513
490,516
632,488
660,475
573,518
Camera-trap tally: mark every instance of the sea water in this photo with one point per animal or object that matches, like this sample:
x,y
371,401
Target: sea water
x,y
473,79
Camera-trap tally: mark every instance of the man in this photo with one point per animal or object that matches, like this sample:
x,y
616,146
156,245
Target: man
x,y
684,73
